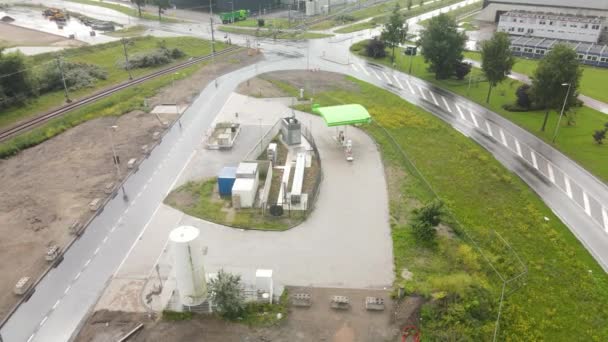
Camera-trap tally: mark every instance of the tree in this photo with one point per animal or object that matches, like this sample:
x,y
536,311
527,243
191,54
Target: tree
x,y
425,219
226,293
394,31
139,4
599,136
462,69
409,4
496,60
162,5
375,48
424,232
555,71
442,45
16,83
524,100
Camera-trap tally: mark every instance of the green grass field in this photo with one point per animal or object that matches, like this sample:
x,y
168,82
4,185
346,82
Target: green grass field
x,y
266,33
108,56
574,141
132,11
564,288
592,83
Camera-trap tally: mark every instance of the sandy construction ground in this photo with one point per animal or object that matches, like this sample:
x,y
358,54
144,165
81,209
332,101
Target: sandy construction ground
x,y
45,188
12,35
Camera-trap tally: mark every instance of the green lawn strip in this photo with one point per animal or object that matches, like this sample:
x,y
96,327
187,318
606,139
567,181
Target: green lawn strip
x,y
592,84
108,56
116,104
253,22
136,30
131,11
464,10
574,141
358,27
565,286
266,33
204,206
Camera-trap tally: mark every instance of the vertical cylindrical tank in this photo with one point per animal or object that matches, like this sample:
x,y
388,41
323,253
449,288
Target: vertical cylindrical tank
x,y
188,263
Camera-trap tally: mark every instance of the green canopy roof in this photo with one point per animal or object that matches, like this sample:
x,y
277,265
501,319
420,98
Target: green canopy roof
x,y
349,114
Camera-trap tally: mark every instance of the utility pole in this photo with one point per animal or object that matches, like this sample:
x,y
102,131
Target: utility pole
x,y
211,23
65,87
124,48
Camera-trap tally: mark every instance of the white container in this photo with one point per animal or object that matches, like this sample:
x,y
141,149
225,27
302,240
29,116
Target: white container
x,y
188,264
245,189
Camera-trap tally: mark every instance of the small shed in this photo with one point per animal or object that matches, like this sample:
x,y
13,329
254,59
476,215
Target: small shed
x,y
247,170
245,189
225,180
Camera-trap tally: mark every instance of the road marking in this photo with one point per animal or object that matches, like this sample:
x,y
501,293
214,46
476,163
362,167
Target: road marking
x,y
364,70
96,251
586,203
410,86
87,263
180,172
376,74
489,129
421,92
113,229
568,187
127,210
387,79
518,148
434,99
78,275
534,161
354,67
56,304
502,137
460,112
44,320
104,240
67,289
446,104
551,174
474,117
31,337
397,80
605,217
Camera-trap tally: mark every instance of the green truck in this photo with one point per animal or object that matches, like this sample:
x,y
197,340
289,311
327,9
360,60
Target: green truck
x,y
230,17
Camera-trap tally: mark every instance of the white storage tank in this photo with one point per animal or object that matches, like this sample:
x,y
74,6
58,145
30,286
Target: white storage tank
x,y
188,263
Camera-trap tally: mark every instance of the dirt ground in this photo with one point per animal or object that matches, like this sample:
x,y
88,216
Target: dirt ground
x,y
47,187
318,322
11,35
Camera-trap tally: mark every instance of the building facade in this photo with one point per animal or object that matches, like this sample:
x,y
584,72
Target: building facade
x,y
532,47
492,9
556,26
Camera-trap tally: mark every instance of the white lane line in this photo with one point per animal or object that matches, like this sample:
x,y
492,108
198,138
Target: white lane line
x,y
518,148
127,210
410,86
434,99
376,74
387,79
398,83
31,337
96,251
67,289
474,117
421,92
44,320
605,217
586,203
502,137
534,161
551,174
354,67
364,70
568,187
489,129
56,304
87,263
105,239
446,104
78,275
460,112
180,172
113,229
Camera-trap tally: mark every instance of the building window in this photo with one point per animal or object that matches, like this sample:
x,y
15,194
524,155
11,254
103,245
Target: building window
x,y
530,30
520,29
542,22
604,59
573,25
516,48
529,50
595,27
585,26
514,20
551,22
592,58
581,56
511,29
540,52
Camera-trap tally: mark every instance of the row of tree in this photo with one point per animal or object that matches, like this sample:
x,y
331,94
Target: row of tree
x,y
161,4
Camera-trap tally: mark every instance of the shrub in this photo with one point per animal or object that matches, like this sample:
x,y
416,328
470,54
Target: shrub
x,y
600,135
423,232
430,213
225,292
261,22
77,76
156,57
524,99
462,69
344,18
375,48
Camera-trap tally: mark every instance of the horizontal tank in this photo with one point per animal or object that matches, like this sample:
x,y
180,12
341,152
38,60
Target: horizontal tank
x,y
188,265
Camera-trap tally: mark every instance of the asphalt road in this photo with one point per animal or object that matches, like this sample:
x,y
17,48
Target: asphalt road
x,y
63,298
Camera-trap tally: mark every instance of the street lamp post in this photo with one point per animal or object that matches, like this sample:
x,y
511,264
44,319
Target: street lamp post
x,y
116,161
563,108
173,87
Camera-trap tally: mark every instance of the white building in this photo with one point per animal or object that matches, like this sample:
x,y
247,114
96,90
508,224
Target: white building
x,y
492,9
555,26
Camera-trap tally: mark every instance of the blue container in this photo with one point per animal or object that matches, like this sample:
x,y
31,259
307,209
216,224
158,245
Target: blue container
x,y
225,180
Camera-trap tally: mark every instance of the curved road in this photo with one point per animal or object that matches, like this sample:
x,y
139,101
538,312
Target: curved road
x,y
64,297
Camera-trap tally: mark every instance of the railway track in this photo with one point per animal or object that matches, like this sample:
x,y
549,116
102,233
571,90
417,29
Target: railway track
x,y
4,135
